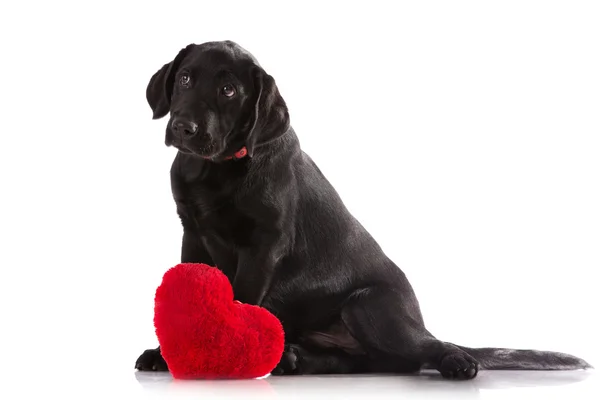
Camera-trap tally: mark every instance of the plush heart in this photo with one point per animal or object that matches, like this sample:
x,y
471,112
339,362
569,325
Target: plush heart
x,y
204,333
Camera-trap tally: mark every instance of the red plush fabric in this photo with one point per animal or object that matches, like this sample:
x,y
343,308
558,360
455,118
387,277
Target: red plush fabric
x,y
203,333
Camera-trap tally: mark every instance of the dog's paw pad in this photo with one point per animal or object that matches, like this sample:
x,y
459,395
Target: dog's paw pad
x,y
290,361
458,365
151,360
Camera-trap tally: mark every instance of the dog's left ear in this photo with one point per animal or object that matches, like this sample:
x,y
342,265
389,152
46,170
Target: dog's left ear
x,y
271,118
160,87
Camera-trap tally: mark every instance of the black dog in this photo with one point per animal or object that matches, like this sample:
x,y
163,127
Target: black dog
x,y
254,204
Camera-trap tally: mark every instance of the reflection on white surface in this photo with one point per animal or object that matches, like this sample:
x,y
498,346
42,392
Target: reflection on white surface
x,y
489,384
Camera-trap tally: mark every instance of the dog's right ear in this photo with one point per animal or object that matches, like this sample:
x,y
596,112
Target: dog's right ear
x,y
160,87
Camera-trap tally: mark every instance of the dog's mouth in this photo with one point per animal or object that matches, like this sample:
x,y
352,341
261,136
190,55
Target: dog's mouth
x,y
200,146
204,151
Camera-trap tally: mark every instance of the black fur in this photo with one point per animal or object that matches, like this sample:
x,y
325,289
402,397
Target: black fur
x,y
277,228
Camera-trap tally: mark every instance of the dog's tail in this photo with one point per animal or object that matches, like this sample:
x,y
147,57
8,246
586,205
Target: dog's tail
x,y
496,358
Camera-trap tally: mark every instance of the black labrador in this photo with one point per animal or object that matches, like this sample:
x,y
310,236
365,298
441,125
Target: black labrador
x,y
254,204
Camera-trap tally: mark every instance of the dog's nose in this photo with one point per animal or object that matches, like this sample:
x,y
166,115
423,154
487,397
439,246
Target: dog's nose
x,y
184,128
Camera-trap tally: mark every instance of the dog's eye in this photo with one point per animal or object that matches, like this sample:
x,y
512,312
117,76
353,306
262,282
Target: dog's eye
x,y
184,80
228,90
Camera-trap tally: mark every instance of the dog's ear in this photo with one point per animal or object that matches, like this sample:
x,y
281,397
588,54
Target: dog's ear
x,y
160,87
270,118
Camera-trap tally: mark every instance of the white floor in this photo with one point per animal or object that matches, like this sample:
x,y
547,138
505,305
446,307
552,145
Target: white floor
x,y
89,383
488,385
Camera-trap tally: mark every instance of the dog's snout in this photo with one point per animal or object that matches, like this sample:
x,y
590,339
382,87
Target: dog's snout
x,y
184,128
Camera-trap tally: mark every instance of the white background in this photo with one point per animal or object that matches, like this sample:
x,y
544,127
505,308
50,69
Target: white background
x,y
465,136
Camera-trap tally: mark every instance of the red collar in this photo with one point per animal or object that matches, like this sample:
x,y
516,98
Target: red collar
x,y
241,153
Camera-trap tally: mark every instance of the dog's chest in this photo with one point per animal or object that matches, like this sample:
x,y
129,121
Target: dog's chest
x,y
215,214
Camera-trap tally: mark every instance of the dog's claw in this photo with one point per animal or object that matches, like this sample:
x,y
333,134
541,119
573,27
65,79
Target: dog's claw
x,y
151,360
459,365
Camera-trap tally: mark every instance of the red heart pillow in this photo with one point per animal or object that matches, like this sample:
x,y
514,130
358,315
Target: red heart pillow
x,y
203,333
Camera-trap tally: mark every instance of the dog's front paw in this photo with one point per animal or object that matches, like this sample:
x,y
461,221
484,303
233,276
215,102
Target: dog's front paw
x,y
290,361
151,360
458,365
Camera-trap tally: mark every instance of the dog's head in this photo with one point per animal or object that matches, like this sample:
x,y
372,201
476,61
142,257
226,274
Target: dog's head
x,y
219,100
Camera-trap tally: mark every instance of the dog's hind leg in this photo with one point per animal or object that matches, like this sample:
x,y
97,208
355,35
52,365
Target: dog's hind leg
x,y
387,321
300,360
